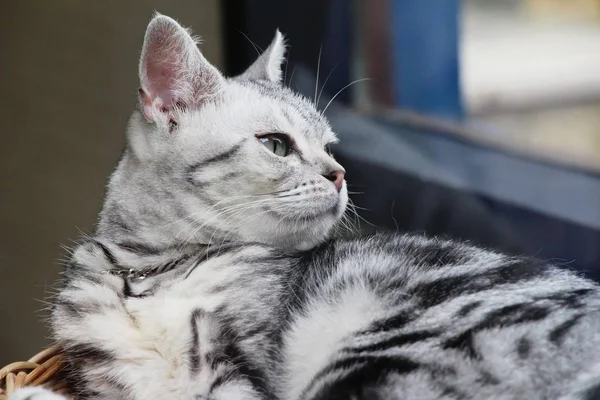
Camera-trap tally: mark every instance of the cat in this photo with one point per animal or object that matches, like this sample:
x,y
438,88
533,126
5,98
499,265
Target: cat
x,y
211,274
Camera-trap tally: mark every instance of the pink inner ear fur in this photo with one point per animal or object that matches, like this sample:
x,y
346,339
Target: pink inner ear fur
x,y
162,78
173,72
163,66
147,106
161,81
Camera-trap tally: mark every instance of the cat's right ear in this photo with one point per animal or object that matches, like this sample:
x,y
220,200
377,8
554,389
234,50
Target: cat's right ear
x,y
173,71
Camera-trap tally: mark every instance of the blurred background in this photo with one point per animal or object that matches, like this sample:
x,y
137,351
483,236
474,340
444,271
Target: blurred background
x,y
479,120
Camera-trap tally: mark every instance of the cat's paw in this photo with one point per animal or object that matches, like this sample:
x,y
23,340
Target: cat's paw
x,y
35,393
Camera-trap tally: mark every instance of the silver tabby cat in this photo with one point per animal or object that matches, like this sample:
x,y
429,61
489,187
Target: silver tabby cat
x,y
210,276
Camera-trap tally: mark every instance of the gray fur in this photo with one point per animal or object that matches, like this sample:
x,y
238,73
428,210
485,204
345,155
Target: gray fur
x,y
442,320
189,291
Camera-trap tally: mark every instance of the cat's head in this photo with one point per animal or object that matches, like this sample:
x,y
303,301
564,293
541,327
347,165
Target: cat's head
x,y
212,159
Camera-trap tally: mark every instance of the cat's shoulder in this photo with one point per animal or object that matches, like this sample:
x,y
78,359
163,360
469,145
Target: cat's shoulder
x,y
406,244
413,249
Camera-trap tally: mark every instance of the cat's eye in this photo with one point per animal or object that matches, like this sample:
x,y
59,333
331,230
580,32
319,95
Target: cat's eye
x,y
328,149
278,143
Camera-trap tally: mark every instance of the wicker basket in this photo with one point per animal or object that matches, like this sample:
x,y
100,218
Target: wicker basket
x,y
42,369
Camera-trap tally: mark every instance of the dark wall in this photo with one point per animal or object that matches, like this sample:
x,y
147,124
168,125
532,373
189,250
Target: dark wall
x,y
302,22
68,82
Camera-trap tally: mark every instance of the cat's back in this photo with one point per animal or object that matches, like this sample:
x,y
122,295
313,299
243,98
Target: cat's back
x,y
407,314
381,317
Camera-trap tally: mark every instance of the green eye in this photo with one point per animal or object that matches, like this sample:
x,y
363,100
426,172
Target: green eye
x,y
279,144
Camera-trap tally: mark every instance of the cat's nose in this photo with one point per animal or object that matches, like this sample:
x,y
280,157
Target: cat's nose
x,y
337,177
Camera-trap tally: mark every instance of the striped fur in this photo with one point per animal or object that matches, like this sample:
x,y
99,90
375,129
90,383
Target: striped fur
x,y
230,299
389,317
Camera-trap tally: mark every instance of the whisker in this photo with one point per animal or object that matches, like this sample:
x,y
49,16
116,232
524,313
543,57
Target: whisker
x,y
352,209
341,90
256,47
287,62
317,80
232,198
292,77
392,214
325,83
355,185
354,206
234,208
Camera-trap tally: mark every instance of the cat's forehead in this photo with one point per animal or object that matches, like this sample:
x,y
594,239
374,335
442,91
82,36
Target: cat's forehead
x,y
297,110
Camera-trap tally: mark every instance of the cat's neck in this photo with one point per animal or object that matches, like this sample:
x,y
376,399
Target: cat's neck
x,y
151,240
104,254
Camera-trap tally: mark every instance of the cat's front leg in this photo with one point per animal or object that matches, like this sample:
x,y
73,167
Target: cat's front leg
x,y
225,393
35,393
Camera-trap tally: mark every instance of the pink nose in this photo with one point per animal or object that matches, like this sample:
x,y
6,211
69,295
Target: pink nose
x,y
337,177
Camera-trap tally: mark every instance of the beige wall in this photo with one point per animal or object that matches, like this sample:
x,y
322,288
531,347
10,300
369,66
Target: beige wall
x,y
68,81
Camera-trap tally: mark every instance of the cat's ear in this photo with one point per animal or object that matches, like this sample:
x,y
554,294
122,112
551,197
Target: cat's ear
x,y
268,64
173,71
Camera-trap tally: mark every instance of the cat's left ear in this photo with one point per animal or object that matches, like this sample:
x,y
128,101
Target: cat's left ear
x,y
268,64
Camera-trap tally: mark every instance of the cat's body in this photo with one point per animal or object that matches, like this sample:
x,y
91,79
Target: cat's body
x,y
391,317
223,187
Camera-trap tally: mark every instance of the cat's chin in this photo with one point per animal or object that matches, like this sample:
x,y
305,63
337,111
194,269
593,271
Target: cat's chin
x,y
303,238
